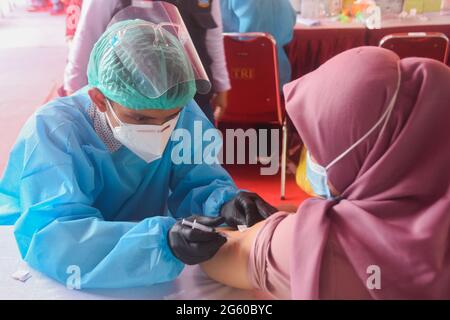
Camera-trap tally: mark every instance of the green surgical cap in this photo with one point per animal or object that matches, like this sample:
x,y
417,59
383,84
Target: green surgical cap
x,y
141,66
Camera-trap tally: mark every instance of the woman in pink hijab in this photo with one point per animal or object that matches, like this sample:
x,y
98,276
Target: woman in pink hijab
x,y
377,129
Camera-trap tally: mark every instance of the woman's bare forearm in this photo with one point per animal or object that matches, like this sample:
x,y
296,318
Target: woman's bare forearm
x,y
230,265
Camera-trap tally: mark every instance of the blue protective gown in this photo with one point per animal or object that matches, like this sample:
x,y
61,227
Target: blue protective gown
x,y
74,203
276,17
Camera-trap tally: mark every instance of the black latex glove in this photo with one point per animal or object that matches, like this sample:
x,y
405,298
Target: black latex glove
x,y
193,246
246,209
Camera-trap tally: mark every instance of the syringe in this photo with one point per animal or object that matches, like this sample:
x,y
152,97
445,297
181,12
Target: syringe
x,y
199,226
196,225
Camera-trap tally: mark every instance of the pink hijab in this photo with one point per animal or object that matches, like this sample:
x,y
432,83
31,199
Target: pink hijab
x,y
394,212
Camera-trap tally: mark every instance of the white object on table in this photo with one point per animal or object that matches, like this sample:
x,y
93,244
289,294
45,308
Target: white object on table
x,y
310,9
445,7
21,275
308,22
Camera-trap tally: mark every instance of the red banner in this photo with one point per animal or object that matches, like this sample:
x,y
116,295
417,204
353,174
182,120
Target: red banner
x,y
73,12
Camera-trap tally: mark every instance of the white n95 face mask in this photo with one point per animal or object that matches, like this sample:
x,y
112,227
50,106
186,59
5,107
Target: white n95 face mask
x,y
148,142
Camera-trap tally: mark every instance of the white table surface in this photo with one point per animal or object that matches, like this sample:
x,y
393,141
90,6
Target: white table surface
x,y
192,283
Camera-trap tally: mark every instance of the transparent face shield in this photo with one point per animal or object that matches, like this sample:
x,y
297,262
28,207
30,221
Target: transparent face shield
x,y
159,64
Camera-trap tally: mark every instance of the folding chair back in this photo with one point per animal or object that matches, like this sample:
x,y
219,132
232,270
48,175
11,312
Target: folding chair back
x,y
432,45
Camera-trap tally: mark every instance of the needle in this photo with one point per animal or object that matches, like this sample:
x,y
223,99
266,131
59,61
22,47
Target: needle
x,y
199,226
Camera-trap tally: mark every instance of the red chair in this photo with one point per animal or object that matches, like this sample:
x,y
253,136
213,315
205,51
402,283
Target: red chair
x,y
432,45
255,95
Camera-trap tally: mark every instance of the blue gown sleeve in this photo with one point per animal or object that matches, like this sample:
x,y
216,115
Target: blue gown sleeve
x,y
60,230
199,189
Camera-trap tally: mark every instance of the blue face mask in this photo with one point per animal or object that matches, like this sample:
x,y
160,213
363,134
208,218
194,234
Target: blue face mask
x,y
317,177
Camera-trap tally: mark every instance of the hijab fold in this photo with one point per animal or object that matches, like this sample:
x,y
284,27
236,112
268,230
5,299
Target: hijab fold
x,y
394,212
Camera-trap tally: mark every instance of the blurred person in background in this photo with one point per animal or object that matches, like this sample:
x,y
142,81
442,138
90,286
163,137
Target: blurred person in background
x,y
56,6
203,20
276,17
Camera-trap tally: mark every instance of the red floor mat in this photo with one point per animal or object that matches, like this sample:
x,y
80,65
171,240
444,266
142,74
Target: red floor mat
x,y
268,187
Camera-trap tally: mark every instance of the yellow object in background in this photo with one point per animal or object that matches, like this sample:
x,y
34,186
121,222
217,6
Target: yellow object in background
x,y
300,175
422,6
432,5
347,4
413,4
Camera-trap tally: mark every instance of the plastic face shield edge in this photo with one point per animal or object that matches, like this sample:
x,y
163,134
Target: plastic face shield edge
x,y
165,18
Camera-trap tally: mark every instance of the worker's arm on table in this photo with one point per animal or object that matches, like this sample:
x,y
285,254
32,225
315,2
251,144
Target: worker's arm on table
x,y
60,231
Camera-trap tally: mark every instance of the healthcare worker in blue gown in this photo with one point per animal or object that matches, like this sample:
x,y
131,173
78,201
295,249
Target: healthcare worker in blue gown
x,y
276,17
92,185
